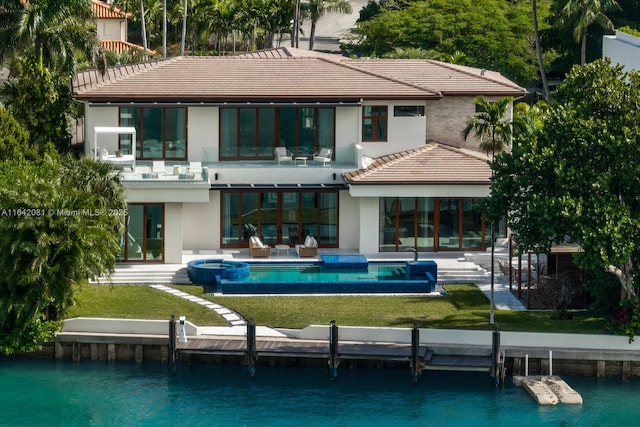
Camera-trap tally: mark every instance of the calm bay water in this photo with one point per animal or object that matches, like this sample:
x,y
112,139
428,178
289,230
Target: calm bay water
x,y
61,393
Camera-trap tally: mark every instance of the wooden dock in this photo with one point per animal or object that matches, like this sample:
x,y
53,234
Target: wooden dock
x,y
289,348
293,348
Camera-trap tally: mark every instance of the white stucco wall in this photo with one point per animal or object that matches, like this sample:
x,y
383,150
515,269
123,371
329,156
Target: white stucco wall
x,y
376,191
623,49
173,219
203,133
201,230
368,224
349,232
111,29
403,133
347,133
100,116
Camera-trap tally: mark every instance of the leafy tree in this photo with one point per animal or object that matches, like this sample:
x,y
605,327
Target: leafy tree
x,y
50,30
41,101
577,178
55,232
492,34
580,14
14,139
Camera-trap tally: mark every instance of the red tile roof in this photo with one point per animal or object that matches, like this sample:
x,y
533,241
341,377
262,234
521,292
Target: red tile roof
x,y
287,74
430,164
102,10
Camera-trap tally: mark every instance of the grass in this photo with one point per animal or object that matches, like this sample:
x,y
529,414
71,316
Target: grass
x,y
137,302
465,307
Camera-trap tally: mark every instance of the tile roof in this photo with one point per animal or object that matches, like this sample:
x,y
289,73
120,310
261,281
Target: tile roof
x,y
102,10
288,74
434,163
233,79
448,79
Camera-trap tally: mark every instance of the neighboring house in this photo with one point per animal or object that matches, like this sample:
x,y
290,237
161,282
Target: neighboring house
x,y
111,24
399,174
623,49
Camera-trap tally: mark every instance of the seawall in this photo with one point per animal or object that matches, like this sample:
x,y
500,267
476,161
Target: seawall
x,y
148,340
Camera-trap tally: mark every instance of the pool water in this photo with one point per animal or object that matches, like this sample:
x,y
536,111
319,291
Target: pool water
x,y
299,272
63,393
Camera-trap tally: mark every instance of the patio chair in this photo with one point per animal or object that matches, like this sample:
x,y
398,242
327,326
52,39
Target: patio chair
x,y
257,249
323,156
282,155
308,249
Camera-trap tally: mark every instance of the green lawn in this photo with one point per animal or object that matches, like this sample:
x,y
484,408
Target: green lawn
x,y
465,307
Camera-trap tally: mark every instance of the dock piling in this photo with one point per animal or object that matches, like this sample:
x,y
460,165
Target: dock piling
x,y
333,351
251,354
497,362
172,346
415,354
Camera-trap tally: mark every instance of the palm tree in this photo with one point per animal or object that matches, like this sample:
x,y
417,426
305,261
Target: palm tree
x,y
536,33
316,10
489,124
583,13
53,30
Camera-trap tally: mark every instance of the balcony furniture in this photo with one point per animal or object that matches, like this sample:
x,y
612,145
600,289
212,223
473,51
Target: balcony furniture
x,y
281,248
301,159
323,156
195,167
158,167
115,159
282,154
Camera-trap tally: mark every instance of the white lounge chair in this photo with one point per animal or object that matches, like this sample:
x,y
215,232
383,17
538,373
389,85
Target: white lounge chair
x,y
282,155
323,156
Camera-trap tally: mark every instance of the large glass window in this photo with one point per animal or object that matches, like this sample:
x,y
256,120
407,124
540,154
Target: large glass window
x,y
279,217
252,133
374,123
161,132
428,224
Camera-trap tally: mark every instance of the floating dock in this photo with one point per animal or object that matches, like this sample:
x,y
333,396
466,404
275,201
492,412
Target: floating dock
x,y
548,389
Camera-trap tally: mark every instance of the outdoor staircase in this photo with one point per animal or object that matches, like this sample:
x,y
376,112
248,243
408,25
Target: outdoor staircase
x,y
147,274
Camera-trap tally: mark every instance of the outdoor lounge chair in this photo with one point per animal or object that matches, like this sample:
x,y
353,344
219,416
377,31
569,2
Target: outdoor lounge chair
x,y
308,249
115,159
323,156
282,154
257,249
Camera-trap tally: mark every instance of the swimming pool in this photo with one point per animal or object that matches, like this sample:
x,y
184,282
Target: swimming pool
x,y
318,278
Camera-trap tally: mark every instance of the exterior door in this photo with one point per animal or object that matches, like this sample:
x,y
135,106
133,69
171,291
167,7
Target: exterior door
x,y
143,240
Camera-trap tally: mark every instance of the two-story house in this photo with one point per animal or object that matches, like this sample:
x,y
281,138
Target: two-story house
x,y
205,172
111,28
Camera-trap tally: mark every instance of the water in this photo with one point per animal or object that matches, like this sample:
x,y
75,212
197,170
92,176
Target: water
x,y
297,273
61,393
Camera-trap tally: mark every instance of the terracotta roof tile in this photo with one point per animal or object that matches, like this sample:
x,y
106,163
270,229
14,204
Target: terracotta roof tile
x,y
434,163
294,74
219,79
102,10
448,79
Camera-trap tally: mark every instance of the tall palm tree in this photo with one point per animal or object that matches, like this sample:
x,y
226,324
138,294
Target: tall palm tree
x,y
583,13
536,33
494,132
489,124
316,10
53,30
